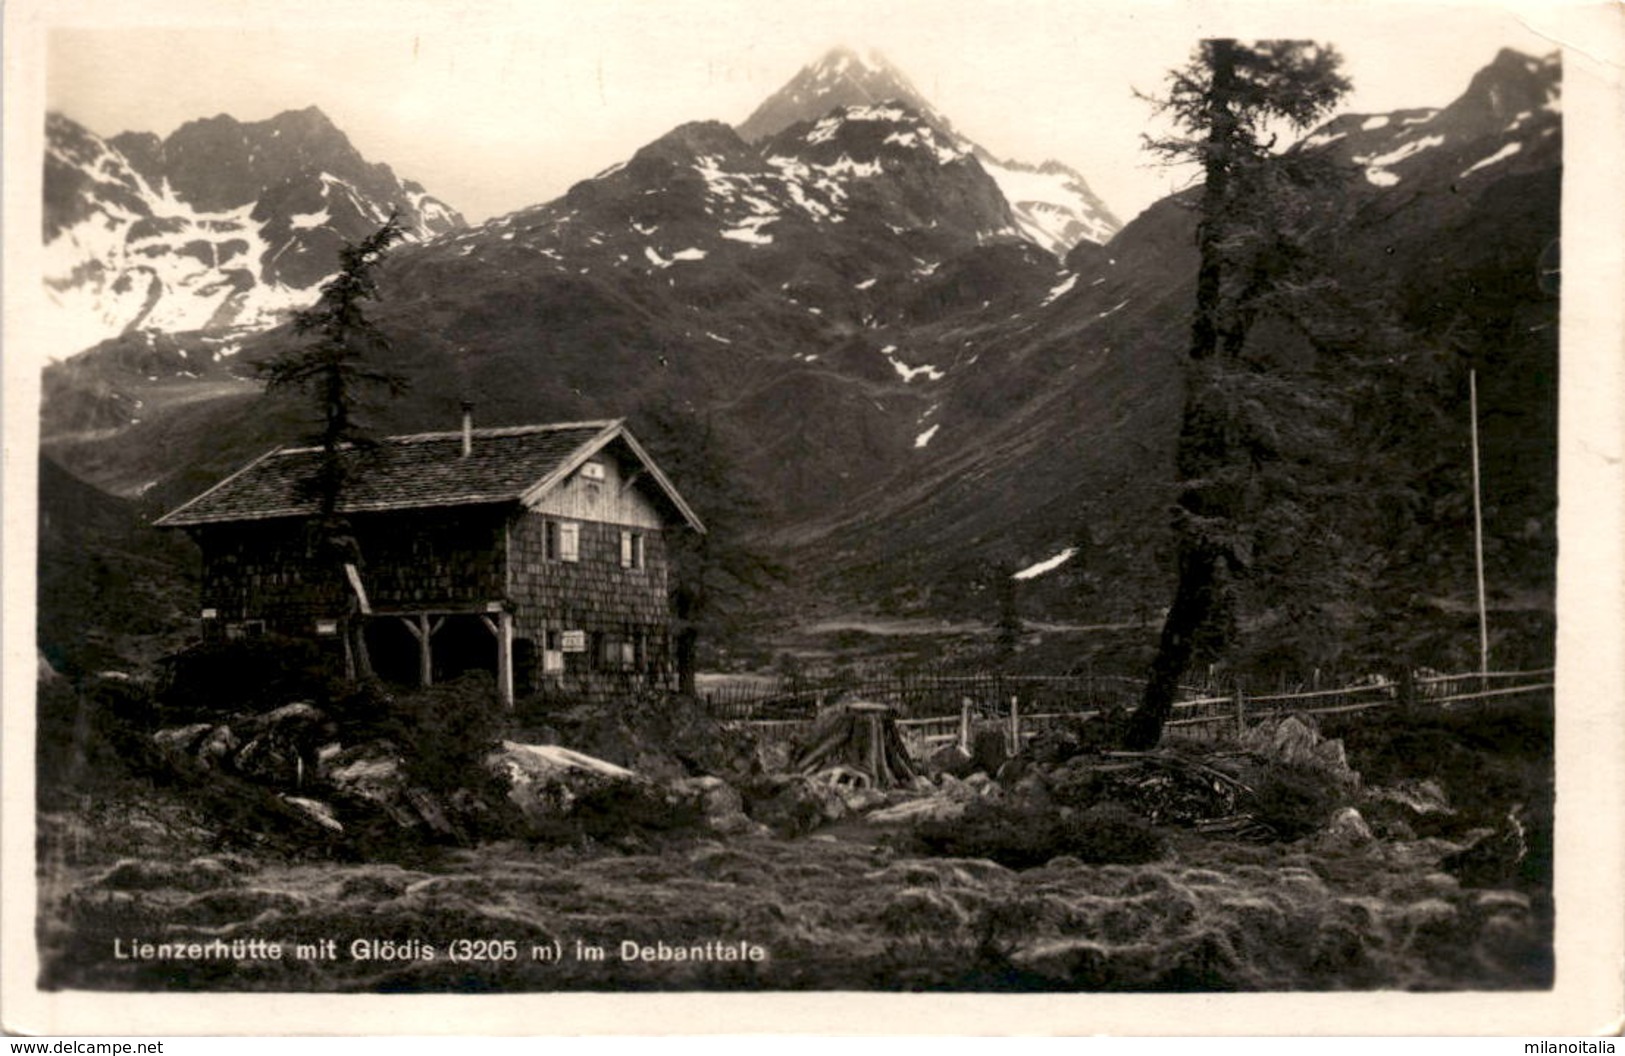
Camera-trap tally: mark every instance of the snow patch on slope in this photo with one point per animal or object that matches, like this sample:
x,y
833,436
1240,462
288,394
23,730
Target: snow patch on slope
x,y
1500,155
1049,564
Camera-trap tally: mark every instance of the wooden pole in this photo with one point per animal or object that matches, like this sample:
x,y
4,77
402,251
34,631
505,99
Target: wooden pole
x,y
425,651
505,658
1241,711
1015,725
349,654
502,630
964,725
423,633
1478,535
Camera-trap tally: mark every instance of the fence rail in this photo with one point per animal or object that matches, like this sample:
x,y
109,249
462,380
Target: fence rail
x,y
1022,704
924,695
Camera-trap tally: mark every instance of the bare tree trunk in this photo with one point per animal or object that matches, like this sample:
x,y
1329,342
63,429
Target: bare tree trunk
x,y
1196,603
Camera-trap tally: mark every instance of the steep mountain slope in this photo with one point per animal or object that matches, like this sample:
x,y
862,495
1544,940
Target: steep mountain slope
x,y
222,227
917,401
111,589
1052,204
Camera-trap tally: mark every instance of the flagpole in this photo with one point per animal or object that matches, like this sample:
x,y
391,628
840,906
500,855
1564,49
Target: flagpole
x,y
1478,534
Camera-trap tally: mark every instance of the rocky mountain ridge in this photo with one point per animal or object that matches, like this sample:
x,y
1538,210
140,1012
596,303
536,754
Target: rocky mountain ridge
x,y
223,227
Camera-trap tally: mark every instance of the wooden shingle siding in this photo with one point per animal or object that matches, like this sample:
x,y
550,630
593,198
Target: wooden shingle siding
x,y
418,560
269,571
593,595
273,570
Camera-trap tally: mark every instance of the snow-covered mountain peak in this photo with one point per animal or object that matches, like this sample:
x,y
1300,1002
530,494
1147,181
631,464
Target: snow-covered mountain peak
x,y
1051,204
865,65
843,77
223,226
887,127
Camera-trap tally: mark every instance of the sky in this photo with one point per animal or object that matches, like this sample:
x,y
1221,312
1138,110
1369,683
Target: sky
x,y
498,105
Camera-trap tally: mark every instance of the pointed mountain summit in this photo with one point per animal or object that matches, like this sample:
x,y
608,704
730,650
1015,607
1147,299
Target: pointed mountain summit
x,y
842,78
1051,203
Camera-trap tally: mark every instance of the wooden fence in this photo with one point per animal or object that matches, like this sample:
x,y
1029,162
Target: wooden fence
x,y
1020,707
922,695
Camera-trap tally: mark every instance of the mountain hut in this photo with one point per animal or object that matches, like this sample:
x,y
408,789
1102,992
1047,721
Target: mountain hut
x,y
538,553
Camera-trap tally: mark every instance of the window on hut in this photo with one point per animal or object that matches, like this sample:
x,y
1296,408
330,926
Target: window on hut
x,y
553,653
562,540
631,549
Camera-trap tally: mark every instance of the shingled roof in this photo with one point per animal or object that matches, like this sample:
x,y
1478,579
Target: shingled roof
x,y
419,470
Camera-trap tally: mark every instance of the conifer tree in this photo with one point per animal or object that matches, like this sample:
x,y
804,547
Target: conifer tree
x,y
336,368
1253,216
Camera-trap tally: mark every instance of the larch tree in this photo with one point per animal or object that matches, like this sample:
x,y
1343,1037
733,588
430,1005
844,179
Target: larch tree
x,y
336,367
1255,212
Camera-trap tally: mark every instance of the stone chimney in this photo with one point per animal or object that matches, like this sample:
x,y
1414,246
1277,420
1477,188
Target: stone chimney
x,y
468,428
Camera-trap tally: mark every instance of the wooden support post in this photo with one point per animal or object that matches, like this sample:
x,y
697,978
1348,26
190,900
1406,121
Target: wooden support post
x,y
425,651
349,654
424,633
502,628
1241,711
1015,725
505,658
964,725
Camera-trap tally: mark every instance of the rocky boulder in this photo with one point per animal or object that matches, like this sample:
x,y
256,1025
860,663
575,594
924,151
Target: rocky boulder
x,y
280,747
720,804
372,774
1292,741
546,780
1347,832
564,794
794,804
